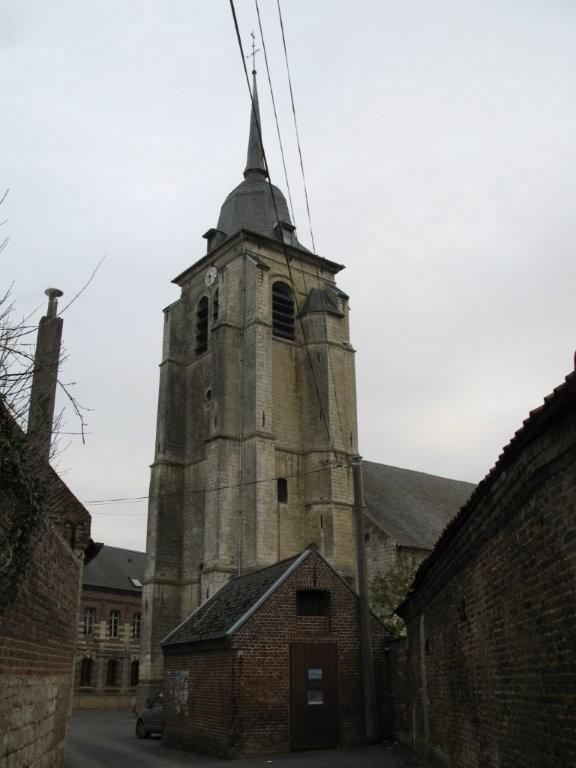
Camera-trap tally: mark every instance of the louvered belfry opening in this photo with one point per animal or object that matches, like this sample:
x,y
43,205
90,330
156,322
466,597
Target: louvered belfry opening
x,y
282,311
202,326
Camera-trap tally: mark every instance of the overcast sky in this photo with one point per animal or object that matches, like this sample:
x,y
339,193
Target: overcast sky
x,y
439,147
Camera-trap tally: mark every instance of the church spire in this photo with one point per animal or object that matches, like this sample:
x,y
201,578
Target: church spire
x,y
255,159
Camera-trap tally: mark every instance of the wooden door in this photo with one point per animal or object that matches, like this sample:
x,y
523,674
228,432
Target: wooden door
x,y
313,695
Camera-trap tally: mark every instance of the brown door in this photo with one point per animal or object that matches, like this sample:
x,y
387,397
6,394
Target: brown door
x,y
313,695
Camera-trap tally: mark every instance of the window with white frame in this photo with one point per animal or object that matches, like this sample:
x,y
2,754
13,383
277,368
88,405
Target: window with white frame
x,y
113,623
89,621
136,624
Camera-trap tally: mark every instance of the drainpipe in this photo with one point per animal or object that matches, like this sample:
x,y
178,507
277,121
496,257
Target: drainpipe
x,y
365,644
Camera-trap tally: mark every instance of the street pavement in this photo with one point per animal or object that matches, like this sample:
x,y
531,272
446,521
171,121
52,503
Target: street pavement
x,y
106,739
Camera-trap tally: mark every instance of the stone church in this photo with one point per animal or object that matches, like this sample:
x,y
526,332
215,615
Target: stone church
x,y
257,421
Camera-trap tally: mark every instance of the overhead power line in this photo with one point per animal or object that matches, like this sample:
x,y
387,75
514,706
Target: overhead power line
x,y
330,365
275,113
284,248
296,124
193,491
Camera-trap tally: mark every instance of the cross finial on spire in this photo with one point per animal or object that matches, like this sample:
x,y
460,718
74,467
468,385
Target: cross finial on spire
x,y
254,52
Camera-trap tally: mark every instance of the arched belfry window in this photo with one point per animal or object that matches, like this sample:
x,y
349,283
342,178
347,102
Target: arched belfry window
x,y
282,311
202,326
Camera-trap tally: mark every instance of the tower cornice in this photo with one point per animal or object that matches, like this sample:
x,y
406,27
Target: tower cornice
x,y
246,235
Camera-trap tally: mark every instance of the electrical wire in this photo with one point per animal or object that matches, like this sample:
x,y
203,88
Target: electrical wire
x,y
330,365
296,124
275,113
285,250
193,491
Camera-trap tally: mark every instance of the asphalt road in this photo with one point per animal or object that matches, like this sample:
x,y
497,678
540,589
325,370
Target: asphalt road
x,y
107,740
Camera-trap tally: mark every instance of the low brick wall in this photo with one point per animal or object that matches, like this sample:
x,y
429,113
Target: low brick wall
x,y
491,659
37,639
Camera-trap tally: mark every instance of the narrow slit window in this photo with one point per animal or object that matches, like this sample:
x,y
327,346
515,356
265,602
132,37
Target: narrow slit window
x,y
202,326
215,306
312,602
282,490
282,311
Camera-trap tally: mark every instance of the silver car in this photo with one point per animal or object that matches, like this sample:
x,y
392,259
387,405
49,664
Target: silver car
x,y
151,719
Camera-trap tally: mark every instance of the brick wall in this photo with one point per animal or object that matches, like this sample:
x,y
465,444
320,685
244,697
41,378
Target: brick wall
x,y
37,637
238,699
491,661
200,701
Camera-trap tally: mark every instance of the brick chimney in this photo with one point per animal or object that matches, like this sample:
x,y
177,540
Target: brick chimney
x,y
45,376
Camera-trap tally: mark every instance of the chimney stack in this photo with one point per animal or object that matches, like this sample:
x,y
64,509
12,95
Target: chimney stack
x,y
45,376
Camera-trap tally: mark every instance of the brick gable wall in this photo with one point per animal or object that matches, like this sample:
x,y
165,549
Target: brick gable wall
x,y
252,676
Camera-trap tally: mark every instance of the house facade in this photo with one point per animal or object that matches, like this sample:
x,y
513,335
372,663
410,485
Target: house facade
x,y
109,629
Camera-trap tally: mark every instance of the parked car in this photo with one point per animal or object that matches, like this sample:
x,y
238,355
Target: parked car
x,y
151,719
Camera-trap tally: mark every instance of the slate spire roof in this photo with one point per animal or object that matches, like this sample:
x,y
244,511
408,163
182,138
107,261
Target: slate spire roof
x,y
250,205
255,159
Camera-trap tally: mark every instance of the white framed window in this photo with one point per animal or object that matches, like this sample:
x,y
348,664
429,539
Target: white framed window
x,y
136,625
113,623
89,620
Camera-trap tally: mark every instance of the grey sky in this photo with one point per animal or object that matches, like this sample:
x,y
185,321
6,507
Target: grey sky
x,y
439,147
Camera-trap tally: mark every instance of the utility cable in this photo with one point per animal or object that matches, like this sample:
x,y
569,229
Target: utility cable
x,y
286,255
296,124
275,113
307,200
127,499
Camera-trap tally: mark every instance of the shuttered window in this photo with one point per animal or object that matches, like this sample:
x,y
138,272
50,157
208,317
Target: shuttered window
x,y
202,326
312,602
282,311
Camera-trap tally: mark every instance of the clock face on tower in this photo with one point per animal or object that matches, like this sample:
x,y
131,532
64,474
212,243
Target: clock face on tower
x,y
210,277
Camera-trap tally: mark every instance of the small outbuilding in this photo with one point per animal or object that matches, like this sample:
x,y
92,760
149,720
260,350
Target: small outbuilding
x,y
270,663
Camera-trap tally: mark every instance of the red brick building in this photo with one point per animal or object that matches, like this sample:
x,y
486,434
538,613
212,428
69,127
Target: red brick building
x,y
489,667
109,628
270,663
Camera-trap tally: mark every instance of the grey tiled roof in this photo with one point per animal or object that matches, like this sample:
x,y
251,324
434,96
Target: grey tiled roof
x,y
250,205
112,568
214,618
412,507
321,300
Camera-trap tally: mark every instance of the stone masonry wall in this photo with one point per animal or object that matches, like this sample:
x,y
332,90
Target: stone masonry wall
x,y
37,639
491,660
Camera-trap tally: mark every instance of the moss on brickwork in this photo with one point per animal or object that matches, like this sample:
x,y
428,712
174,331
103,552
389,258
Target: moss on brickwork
x,y
22,499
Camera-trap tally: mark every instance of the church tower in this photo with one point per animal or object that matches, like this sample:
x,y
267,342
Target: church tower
x,y
256,413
